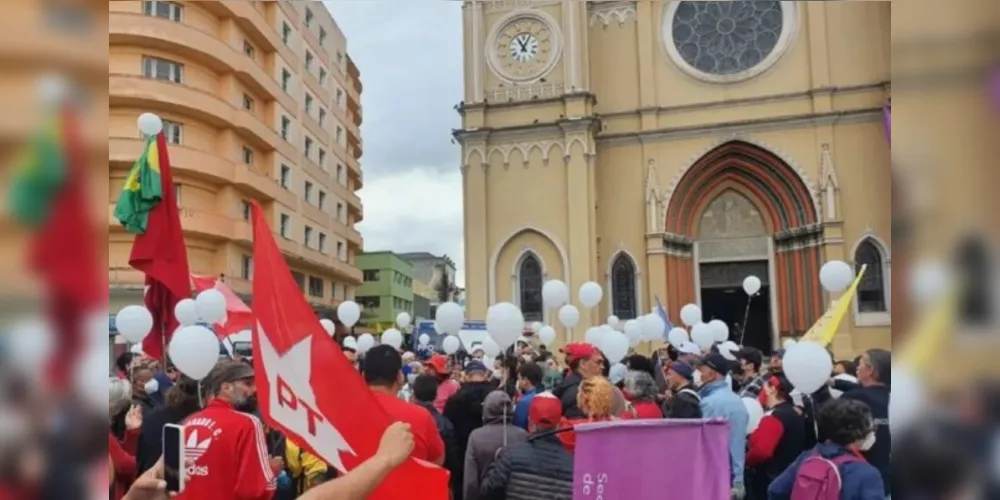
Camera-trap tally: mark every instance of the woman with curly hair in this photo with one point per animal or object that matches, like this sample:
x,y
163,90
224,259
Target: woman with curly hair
x,y
849,430
596,399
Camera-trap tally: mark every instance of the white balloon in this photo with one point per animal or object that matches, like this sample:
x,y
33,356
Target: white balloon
x,y
134,323
614,345
727,350
569,315
807,366
590,294
211,306
349,312
751,285
691,314
365,342
678,336
788,344
30,344
351,342
504,323
634,342
756,413
703,335
907,401
547,335
490,348
536,327
555,293
195,350
593,335
721,330
450,317
613,321
450,344
403,319
928,281
89,381
633,330
187,313
652,327
53,89
836,276
329,326
136,349
424,339
150,124
392,337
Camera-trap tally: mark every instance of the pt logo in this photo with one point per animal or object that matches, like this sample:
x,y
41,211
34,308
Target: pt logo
x,y
288,399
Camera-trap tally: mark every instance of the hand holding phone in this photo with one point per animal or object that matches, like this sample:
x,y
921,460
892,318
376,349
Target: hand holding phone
x,y
173,457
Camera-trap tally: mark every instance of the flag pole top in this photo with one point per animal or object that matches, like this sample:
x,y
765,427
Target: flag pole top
x,y
150,124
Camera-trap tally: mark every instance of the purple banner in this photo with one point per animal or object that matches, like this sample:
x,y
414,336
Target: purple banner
x,y
639,459
887,120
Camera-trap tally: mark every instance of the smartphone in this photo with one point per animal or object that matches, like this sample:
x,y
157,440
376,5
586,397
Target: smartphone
x,y
173,457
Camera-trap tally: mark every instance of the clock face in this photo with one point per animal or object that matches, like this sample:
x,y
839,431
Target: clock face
x,y
524,47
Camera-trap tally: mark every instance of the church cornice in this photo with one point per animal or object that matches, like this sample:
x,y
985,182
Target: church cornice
x,y
604,12
520,102
531,131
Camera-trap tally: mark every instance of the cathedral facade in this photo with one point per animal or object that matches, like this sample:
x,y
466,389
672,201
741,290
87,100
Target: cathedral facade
x,y
668,150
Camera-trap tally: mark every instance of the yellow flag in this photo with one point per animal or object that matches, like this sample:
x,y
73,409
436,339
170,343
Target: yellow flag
x,y
927,338
826,327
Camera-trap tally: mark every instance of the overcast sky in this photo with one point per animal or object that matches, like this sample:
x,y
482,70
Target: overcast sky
x,y
410,57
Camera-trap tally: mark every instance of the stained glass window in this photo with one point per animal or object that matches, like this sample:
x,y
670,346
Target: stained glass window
x,y
725,38
871,291
530,281
623,288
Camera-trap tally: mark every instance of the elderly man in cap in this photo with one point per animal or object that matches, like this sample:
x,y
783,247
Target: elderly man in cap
x,y
584,361
230,452
719,401
539,468
685,401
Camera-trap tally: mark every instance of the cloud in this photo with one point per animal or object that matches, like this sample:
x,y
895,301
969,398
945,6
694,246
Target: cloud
x,y
410,56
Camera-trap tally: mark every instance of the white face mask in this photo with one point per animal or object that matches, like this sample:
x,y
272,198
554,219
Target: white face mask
x,y
869,442
697,378
152,386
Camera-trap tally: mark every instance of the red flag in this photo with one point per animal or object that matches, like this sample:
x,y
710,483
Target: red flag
x,y
296,366
238,314
160,254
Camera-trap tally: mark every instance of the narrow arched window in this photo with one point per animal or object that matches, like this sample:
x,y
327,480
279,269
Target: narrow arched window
x,y
529,281
623,288
872,290
975,279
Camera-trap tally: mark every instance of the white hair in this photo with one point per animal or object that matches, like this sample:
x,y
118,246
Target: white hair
x,y
119,395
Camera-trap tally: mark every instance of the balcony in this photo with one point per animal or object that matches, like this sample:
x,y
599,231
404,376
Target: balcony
x,y
250,20
321,136
352,235
262,186
349,273
321,94
161,34
206,224
317,216
156,95
195,164
346,194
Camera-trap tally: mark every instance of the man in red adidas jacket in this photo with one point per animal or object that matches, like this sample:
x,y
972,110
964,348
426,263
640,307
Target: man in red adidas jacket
x,y
226,449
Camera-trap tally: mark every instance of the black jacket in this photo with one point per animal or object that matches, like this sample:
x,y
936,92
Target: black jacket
x,y
566,392
540,469
151,438
685,404
877,398
465,412
453,461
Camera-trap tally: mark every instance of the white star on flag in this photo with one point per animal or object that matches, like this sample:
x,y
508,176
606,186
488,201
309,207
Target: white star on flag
x,y
294,368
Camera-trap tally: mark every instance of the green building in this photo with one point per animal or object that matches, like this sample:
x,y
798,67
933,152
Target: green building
x,y
387,290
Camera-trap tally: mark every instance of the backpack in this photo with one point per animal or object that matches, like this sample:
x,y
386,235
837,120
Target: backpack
x,y
818,478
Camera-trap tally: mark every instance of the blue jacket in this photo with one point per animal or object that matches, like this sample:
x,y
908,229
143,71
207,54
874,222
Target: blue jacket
x,y
719,401
522,407
859,479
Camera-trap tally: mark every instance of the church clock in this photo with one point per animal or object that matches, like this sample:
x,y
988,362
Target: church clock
x,y
524,46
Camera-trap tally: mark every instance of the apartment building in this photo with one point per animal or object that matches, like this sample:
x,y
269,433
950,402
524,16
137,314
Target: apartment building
x,y
261,102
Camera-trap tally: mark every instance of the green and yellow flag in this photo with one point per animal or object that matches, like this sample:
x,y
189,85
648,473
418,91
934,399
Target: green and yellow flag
x,y
143,190
41,176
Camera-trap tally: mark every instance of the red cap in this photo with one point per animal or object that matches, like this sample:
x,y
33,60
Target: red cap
x,y
439,363
579,350
545,409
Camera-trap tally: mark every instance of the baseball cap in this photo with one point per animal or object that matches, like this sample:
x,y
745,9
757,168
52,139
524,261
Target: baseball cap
x,y
439,363
689,348
475,366
545,409
716,362
683,369
579,350
779,352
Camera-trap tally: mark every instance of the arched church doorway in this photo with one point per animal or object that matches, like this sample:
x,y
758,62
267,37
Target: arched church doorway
x,y
733,243
740,210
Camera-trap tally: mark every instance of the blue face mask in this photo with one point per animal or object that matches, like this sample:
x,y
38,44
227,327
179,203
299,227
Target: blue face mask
x,y
406,370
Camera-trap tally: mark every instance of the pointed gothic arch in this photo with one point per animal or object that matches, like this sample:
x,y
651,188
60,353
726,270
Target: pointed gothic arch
x,y
872,304
529,278
623,284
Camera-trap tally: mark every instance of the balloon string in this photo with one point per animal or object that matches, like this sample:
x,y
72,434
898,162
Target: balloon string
x,y
201,402
746,318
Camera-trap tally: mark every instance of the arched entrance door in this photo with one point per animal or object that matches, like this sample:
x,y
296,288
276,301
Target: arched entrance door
x,y
741,210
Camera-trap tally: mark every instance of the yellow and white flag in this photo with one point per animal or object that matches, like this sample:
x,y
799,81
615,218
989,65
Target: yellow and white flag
x,y
825,328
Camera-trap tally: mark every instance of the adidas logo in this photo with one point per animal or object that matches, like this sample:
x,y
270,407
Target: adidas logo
x,y
195,448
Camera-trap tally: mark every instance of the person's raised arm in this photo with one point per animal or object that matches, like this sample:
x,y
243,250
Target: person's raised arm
x,y
395,448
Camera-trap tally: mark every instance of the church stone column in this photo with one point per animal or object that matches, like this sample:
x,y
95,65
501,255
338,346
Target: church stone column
x,y
477,251
580,211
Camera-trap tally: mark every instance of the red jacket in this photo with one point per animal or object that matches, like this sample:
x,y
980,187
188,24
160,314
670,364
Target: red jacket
x,y
643,410
230,456
123,460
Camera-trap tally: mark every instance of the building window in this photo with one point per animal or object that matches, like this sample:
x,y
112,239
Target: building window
x,y
340,98
248,103
286,175
340,58
369,302
322,158
162,69
285,223
340,211
372,275
309,61
309,103
308,147
173,131
340,133
872,289
247,156
286,79
322,243
307,235
249,50
286,127
167,10
300,280
309,17
623,288
246,268
308,191
340,173
315,286
340,250
322,116
322,36
529,281
286,32
977,290
177,193
322,76
245,209
321,200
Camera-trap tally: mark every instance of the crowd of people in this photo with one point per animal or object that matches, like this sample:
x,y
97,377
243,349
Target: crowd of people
x,y
504,427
